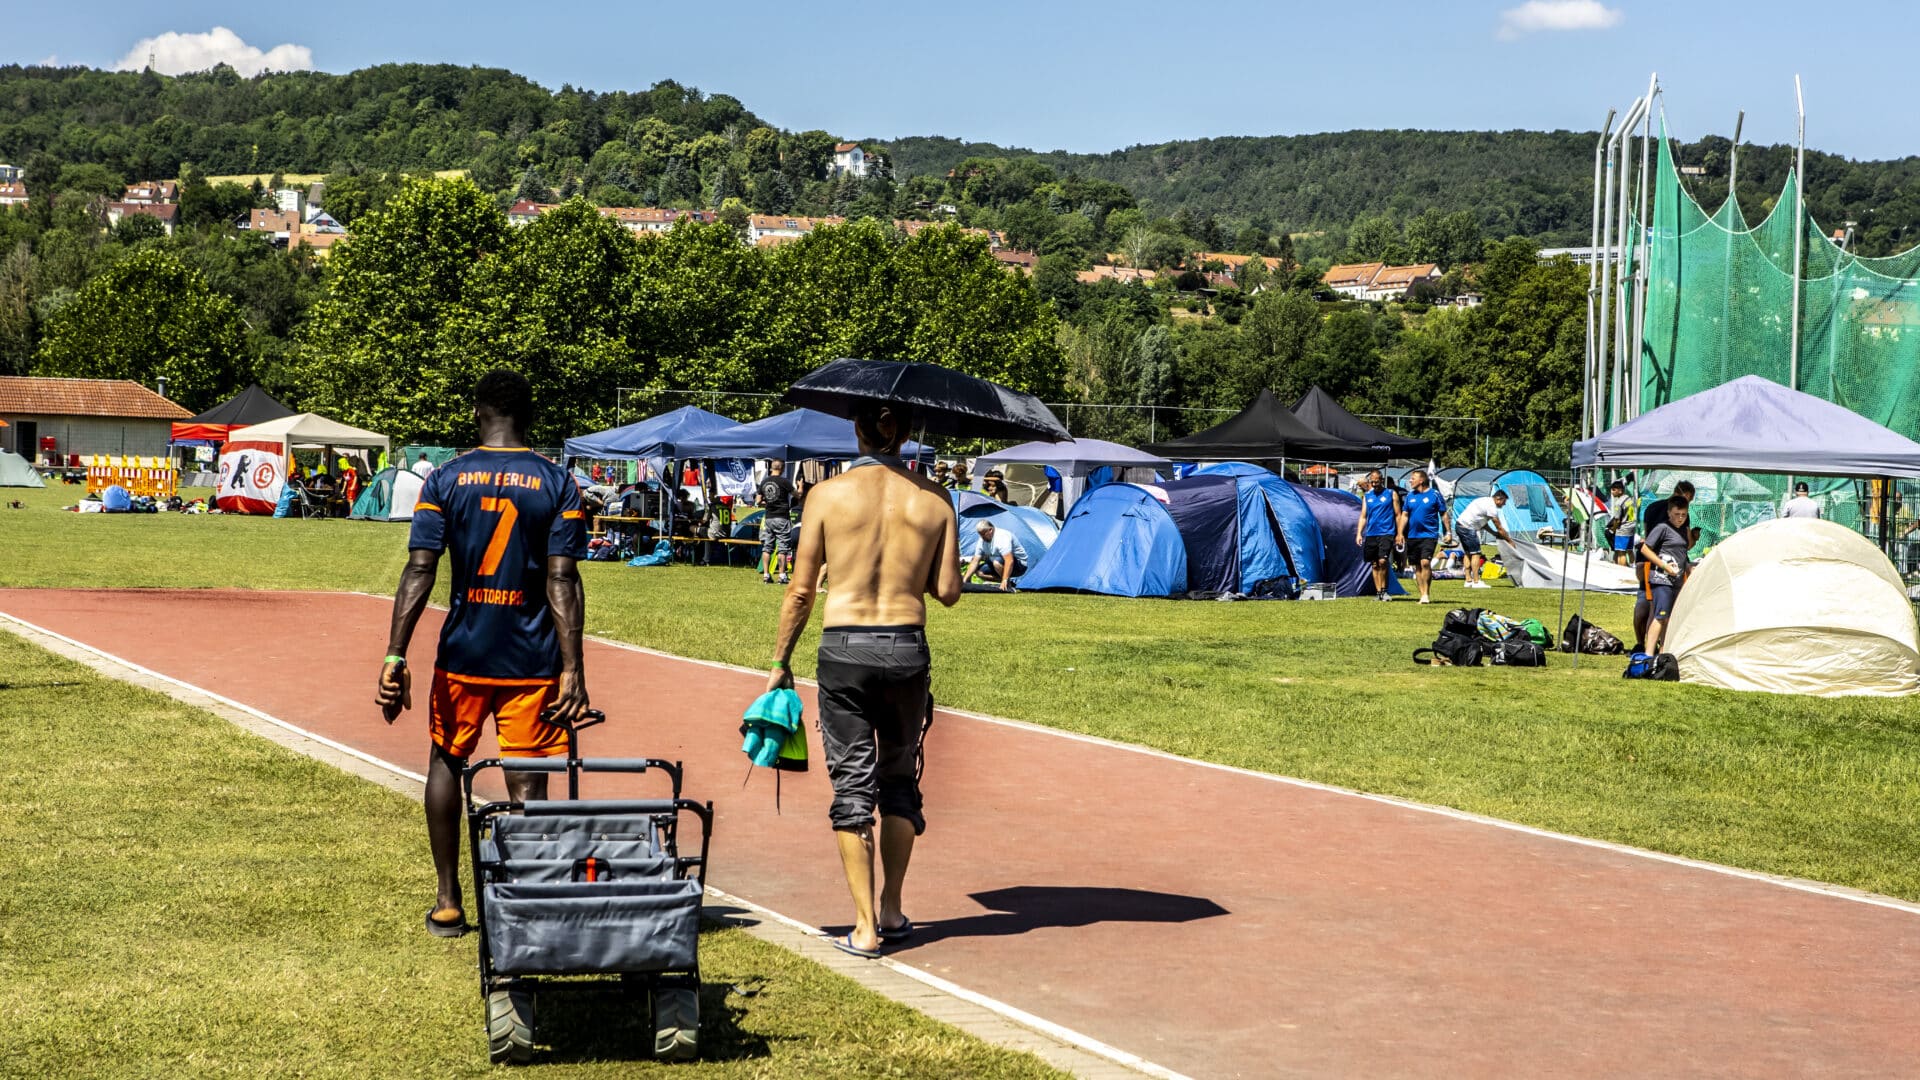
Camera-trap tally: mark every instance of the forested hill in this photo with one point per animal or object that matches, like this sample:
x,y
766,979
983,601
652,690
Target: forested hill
x,y
1534,183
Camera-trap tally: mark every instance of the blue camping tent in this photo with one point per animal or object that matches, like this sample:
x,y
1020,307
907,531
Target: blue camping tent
x,y
1342,565
654,437
1531,503
1119,540
1032,527
1234,532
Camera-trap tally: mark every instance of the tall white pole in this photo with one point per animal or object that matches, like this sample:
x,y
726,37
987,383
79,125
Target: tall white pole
x,y
1640,265
1593,283
1799,232
1602,347
1618,404
1726,286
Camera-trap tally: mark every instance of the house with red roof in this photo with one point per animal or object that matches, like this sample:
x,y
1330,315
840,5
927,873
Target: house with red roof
x,y
849,158
84,416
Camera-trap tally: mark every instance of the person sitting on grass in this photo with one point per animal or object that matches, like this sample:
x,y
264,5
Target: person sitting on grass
x,y
1468,527
1665,549
1002,554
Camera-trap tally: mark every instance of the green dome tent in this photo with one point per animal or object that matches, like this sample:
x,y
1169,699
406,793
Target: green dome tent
x,y
15,472
390,496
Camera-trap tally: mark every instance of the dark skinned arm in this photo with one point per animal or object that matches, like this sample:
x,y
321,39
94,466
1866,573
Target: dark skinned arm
x,y
567,606
395,691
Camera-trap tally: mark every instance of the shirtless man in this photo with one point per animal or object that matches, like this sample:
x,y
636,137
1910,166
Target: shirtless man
x,y
887,537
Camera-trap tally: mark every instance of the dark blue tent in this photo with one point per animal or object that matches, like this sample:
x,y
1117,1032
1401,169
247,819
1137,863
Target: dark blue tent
x,y
1119,540
1338,512
655,437
800,435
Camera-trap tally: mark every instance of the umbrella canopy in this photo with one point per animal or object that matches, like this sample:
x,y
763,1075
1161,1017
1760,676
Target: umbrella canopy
x,y
1757,426
1319,410
945,401
1073,457
1263,430
800,435
656,436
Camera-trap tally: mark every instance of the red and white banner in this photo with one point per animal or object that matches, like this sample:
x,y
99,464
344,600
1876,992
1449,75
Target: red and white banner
x,y
252,475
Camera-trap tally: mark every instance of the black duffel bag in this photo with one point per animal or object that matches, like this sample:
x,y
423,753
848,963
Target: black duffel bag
x,y
1452,650
1518,652
1589,638
1464,621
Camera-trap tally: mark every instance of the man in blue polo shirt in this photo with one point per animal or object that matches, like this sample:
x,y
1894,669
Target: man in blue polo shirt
x,y
1423,519
1378,530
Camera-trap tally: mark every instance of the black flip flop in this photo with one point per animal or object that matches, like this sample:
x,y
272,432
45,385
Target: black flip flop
x,y
898,933
446,930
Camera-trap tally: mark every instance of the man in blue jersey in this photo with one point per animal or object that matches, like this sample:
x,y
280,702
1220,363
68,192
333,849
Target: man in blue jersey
x,y
1423,520
510,646
1378,530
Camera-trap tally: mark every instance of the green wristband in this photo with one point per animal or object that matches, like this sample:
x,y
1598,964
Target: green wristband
x,y
401,660
780,665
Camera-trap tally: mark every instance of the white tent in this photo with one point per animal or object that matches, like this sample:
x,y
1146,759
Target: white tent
x,y
1797,606
1536,567
308,431
16,472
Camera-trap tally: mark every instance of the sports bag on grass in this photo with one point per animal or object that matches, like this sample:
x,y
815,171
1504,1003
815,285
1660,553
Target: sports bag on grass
x,y
1537,632
1591,639
1497,627
1518,652
1662,668
1462,621
1452,650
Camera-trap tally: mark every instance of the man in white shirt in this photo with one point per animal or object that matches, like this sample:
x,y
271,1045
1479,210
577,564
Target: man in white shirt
x,y
1801,505
1000,552
1468,526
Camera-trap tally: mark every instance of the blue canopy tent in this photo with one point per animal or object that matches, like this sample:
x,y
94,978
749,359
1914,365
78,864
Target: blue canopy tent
x,y
654,437
1032,527
800,435
1342,565
1118,540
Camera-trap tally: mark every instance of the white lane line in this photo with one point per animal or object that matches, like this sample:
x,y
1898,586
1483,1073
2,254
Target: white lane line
x,y
1017,1015
1802,885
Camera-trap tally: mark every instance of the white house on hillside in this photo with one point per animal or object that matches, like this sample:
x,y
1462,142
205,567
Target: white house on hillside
x,y
849,158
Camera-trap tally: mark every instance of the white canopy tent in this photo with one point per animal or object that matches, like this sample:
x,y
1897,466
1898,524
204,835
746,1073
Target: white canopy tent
x,y
309,431
1073,459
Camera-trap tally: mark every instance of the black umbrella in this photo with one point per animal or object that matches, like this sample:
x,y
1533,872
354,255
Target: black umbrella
x,y
945,401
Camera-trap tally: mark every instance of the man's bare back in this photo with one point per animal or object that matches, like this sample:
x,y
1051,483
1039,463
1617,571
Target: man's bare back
x,y
884,534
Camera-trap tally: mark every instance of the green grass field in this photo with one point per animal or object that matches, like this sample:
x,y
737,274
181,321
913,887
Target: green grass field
x,y
1326,691
182,898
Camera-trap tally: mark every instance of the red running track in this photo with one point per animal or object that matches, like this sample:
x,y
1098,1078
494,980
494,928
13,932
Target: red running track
x,y
1214,922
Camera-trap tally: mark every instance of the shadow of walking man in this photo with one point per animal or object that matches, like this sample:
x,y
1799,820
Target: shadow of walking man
x,y
1021,908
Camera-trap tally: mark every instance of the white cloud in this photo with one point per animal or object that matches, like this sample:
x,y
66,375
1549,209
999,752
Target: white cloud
x,y
50,60
1537,15
175,53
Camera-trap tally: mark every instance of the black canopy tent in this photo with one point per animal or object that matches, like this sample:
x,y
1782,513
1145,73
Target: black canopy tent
x,y
244,409
1267,430
1320,410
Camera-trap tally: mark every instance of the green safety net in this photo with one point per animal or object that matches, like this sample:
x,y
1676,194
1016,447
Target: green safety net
x,y
1719,305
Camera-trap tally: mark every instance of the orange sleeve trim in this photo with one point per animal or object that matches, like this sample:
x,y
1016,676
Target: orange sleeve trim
x,y
573,515
428,506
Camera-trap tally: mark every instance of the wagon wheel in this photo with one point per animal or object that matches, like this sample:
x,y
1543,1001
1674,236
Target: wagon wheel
x,y
676,1023
510,1027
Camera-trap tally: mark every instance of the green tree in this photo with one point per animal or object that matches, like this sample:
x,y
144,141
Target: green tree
x,y
1373,238
968,313
370,353
1344,359
149,317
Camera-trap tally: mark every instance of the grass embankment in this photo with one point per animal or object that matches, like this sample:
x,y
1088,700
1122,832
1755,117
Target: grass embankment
x,y
182,898
1821,789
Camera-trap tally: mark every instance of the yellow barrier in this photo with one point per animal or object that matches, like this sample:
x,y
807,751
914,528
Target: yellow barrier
x,y
139,475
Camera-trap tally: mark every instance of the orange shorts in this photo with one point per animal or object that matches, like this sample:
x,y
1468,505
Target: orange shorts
x,y
459,706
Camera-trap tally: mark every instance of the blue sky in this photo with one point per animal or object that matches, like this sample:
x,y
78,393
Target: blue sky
x,y
1093,77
